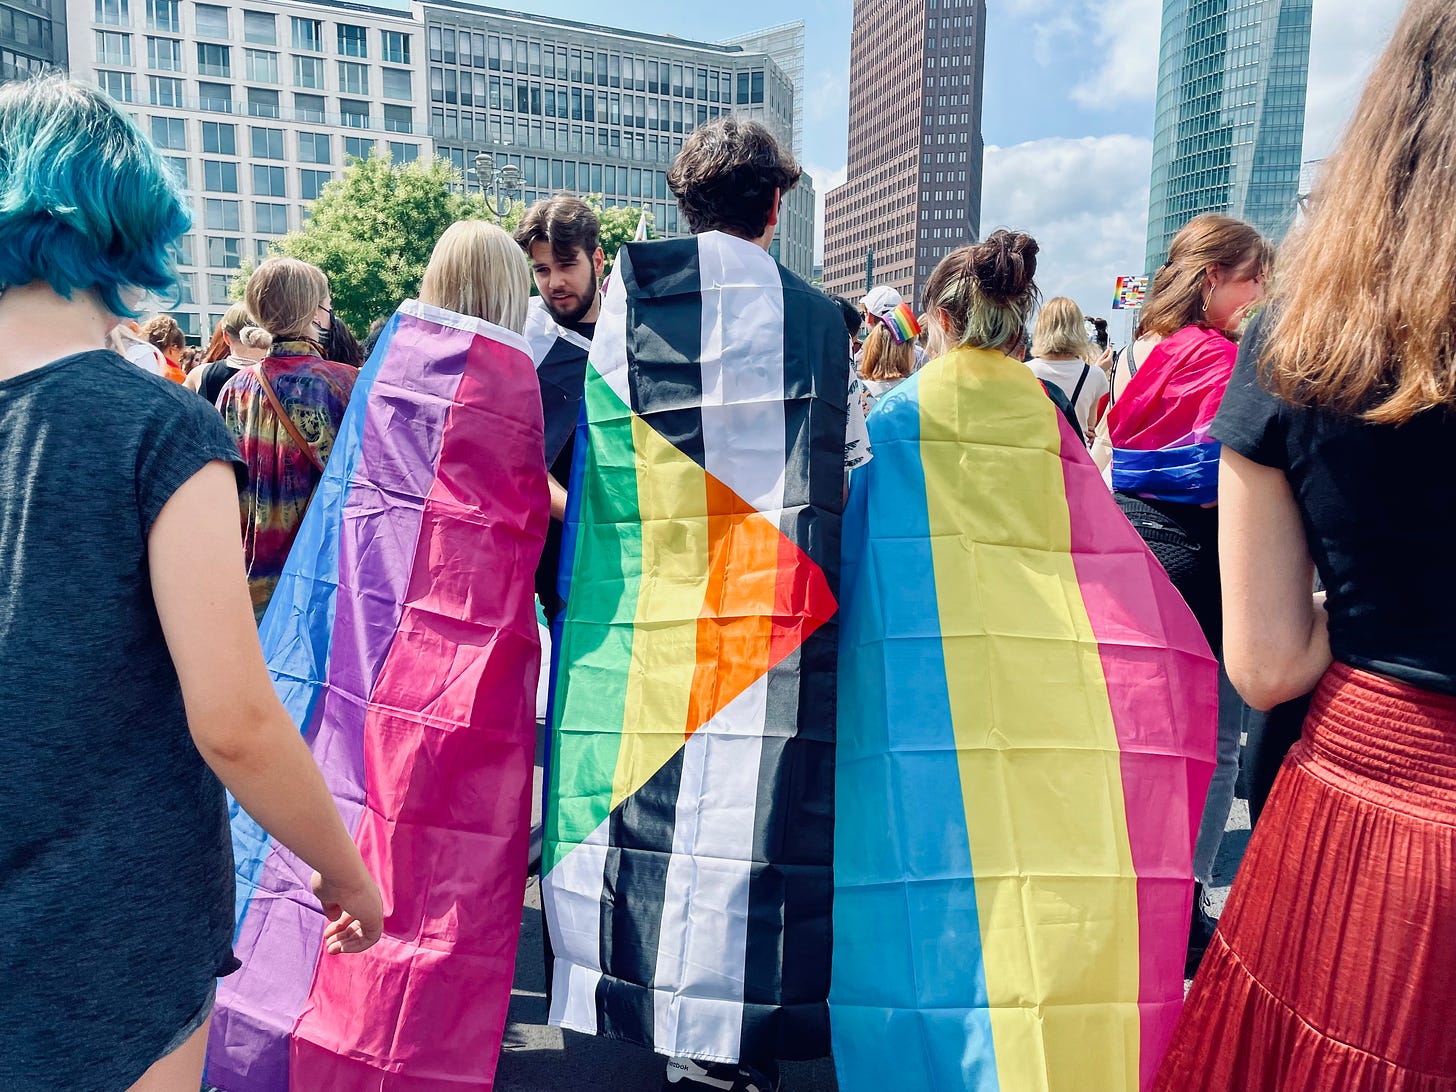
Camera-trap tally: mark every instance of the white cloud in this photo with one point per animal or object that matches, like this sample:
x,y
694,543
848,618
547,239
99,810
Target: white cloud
x,y
1348,36
1086,203
825,179
1125,36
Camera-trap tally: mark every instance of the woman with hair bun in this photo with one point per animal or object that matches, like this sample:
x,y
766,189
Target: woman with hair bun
x,y
1165,462
1025,728
132,685
284,412
233,353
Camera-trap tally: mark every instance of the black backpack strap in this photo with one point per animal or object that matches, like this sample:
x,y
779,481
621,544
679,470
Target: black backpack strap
x,y
1081,382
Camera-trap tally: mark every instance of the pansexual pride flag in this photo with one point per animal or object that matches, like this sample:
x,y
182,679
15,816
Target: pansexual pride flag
x,y
1026,736
686,877
1160,424
402,640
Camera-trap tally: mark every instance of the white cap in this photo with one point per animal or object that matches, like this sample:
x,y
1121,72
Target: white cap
x,y
881,300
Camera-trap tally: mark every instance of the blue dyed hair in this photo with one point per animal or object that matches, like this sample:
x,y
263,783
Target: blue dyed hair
x,y
86,203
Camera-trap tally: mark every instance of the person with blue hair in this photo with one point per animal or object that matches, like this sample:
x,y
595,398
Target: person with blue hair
x,y
133,686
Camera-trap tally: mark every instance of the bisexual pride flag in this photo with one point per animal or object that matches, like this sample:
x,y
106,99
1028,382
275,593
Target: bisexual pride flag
x,y
402,639
689,813
1026,735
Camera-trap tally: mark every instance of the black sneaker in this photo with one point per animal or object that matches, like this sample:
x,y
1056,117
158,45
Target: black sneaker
x,y
689,1075
1200,933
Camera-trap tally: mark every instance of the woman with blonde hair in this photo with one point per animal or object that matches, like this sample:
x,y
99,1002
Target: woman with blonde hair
x,y
284,412
888,356
1165,463
229,354
1061,354
476,269
1334,966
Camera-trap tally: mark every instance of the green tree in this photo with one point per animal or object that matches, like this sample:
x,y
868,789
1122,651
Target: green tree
x,y
372,232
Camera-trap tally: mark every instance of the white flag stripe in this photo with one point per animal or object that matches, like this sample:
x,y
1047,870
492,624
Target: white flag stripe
x,y
609,345
571,898
743,391
703,942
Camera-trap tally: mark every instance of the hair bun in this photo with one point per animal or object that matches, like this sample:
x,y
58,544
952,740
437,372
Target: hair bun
x,y
1005,264
255,337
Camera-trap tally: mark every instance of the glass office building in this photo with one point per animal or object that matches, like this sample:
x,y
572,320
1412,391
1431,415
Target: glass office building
x,y
1229,133
32,37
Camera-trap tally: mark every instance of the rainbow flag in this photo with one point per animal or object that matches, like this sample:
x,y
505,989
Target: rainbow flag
x,y
402,639
1026,736
686,874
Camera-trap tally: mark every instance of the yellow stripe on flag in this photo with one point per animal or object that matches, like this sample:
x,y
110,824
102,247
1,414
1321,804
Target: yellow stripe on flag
x,y
672,500
1038,752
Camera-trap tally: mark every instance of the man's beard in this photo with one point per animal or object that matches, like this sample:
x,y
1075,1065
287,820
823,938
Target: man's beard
x,y
577,313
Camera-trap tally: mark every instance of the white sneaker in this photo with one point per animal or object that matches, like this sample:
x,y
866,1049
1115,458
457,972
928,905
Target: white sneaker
x,y
689,1075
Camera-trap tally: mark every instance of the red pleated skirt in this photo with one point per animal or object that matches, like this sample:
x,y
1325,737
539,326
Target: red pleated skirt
x,y
1334,965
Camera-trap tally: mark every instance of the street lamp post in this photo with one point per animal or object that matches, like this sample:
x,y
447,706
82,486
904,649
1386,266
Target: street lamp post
x,y
500,183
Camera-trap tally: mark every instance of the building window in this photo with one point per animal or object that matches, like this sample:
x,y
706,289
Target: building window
x,y
311,183
308,72
212,21
260,65
182,250
224,253
353,40
756,94
185,292
354,113
267,143
270,218
263,103
214,60
314,148
260,28
269,181
178,166
353,78
164,54
403,153
398,84
357,147
166,91
308,34
399,119
262,250
223,215
309,107
113,47
163,15
219,287
115,84
219,138
219,176
395,46
112,13
169,133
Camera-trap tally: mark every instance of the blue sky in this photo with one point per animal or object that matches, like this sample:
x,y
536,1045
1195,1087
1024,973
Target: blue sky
x,y
1068,108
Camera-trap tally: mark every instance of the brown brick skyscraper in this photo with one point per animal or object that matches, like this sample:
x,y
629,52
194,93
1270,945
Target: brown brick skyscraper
x,y
913,192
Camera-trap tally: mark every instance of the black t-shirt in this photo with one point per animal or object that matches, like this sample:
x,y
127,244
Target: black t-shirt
x,y
116,878
560,469
1379,511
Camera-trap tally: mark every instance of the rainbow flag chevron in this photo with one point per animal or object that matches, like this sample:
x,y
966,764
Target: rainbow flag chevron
x,y
402,639
1026,735
686,873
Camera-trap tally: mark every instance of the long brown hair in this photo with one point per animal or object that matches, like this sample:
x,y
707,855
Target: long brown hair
x,y
1366,321
986,291
1178,292
885,359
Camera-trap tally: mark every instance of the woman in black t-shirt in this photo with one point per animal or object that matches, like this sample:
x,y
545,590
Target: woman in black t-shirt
x,y
1334,965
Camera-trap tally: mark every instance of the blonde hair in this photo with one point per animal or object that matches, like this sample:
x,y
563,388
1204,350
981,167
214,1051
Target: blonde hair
x,y
163,332
1366,322
282,296
1061,331
985,291
1177,296
477,269
884,358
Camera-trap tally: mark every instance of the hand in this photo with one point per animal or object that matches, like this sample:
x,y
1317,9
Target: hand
x,y
356,915
1105,360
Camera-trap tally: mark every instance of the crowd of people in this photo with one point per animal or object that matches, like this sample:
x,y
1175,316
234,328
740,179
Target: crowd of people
x,y
1275,426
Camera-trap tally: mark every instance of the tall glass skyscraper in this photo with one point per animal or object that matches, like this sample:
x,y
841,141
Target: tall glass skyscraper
x,y
1230,115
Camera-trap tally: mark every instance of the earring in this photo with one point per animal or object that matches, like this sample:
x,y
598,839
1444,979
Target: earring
x,y
1206,301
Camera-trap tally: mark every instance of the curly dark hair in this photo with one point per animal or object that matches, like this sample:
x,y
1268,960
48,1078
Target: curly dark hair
x,y
726,174
564,221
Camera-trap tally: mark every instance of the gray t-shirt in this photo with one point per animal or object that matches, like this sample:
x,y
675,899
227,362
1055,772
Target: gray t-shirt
x,y
116,879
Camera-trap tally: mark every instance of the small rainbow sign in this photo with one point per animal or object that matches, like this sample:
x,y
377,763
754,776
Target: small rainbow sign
x,y
1130,293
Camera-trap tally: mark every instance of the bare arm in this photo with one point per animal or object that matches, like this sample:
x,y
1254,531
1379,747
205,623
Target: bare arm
x,y
1275,635
558,498
239,726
